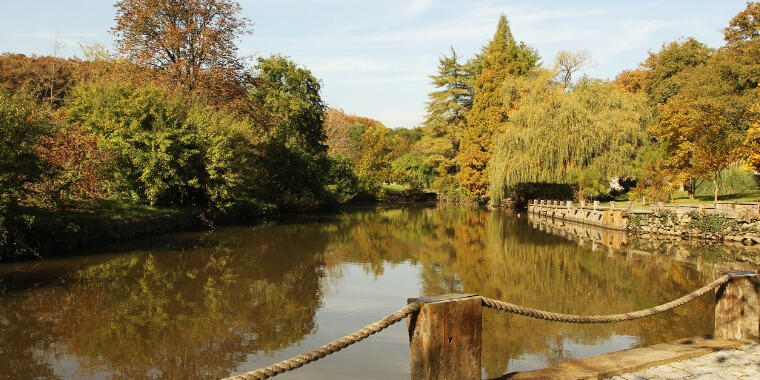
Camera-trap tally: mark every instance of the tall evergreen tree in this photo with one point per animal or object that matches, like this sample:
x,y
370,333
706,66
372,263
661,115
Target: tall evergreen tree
x,y
446,117
501,60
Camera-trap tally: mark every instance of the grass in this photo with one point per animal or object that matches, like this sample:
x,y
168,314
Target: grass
x,y
105,209
393,188
680,197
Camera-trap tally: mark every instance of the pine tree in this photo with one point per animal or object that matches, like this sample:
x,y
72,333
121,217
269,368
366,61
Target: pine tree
x,y
501,60
446,117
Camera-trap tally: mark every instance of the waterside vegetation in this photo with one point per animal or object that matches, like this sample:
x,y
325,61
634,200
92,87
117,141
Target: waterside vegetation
x,y
176,121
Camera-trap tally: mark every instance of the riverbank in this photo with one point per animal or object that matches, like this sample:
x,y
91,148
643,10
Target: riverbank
x,y
43,232
36,233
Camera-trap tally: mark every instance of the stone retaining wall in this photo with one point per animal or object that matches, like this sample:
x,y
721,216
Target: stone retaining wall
x,y
738,222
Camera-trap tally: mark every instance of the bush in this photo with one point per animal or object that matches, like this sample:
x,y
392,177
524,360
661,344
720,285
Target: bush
x,y
412,169
157,155
341,180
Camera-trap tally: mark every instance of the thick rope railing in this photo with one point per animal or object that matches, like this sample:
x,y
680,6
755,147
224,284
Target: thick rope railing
x,y
558,317
364,332
329,348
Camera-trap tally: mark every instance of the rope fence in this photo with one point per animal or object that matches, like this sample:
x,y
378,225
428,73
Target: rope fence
x,y
557,317
329,348
413,307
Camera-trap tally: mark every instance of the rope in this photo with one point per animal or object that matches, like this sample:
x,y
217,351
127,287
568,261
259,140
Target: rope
x,y
329,348
550,316
364,332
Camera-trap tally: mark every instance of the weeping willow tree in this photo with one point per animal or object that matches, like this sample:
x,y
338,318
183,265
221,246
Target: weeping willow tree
x,y
583,138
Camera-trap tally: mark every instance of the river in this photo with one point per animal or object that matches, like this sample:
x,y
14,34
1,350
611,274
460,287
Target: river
x,y
205,305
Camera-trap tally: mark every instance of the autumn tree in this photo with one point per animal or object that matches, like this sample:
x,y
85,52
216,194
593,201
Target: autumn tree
x,y
376,154
567,63
632,80
706,119
752,142
703,126
502,60
184,38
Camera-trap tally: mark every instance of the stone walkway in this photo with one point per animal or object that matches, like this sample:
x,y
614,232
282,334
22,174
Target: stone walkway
x,y
742,363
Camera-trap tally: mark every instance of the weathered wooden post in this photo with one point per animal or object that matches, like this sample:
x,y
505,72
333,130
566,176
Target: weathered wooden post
x,y
736,307
596,204
445,337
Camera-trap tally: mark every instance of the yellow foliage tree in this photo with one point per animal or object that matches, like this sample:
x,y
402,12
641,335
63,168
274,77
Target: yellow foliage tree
x,y
502,60
752,143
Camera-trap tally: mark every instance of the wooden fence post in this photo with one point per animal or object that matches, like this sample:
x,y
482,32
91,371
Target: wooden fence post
x,y
445,337
736,307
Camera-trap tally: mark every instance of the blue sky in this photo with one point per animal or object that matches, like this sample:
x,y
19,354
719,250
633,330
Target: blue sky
x,y
374,57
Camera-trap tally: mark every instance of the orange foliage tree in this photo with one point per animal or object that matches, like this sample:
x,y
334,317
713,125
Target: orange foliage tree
x,y
502,59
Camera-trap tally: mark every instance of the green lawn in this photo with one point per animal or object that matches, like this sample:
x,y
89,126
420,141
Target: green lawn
x,y
107,209
393,188
680,197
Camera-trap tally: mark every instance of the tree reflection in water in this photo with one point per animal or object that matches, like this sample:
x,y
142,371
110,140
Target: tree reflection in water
x,y
198,305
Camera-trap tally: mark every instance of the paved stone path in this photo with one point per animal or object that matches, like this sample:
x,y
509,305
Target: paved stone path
x,y
743,363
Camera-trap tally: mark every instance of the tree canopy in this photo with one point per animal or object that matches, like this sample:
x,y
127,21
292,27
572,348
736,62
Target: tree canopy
x,y
184,38
584,137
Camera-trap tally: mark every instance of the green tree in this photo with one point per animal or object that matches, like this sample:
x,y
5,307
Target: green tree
x,y
290,100
294,156
447,109
664,69
584,137
23,125
502,60
413,170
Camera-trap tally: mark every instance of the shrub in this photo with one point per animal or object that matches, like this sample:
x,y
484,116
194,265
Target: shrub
x,y
157,155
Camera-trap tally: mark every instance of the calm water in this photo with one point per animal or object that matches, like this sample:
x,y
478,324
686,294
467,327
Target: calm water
x,y
207,305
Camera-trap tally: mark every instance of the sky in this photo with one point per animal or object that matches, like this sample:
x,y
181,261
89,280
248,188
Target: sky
x,y
374,57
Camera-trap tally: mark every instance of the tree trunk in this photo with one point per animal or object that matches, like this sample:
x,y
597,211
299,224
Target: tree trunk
x,y
717,189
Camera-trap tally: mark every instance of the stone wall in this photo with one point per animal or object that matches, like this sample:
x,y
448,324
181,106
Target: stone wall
x,y
722,255
738,222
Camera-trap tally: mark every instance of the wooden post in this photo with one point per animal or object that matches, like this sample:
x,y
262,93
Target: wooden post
x,y
736,307
596,204
445,337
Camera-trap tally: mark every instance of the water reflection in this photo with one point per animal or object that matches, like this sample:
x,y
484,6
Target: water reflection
x,y
207,305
